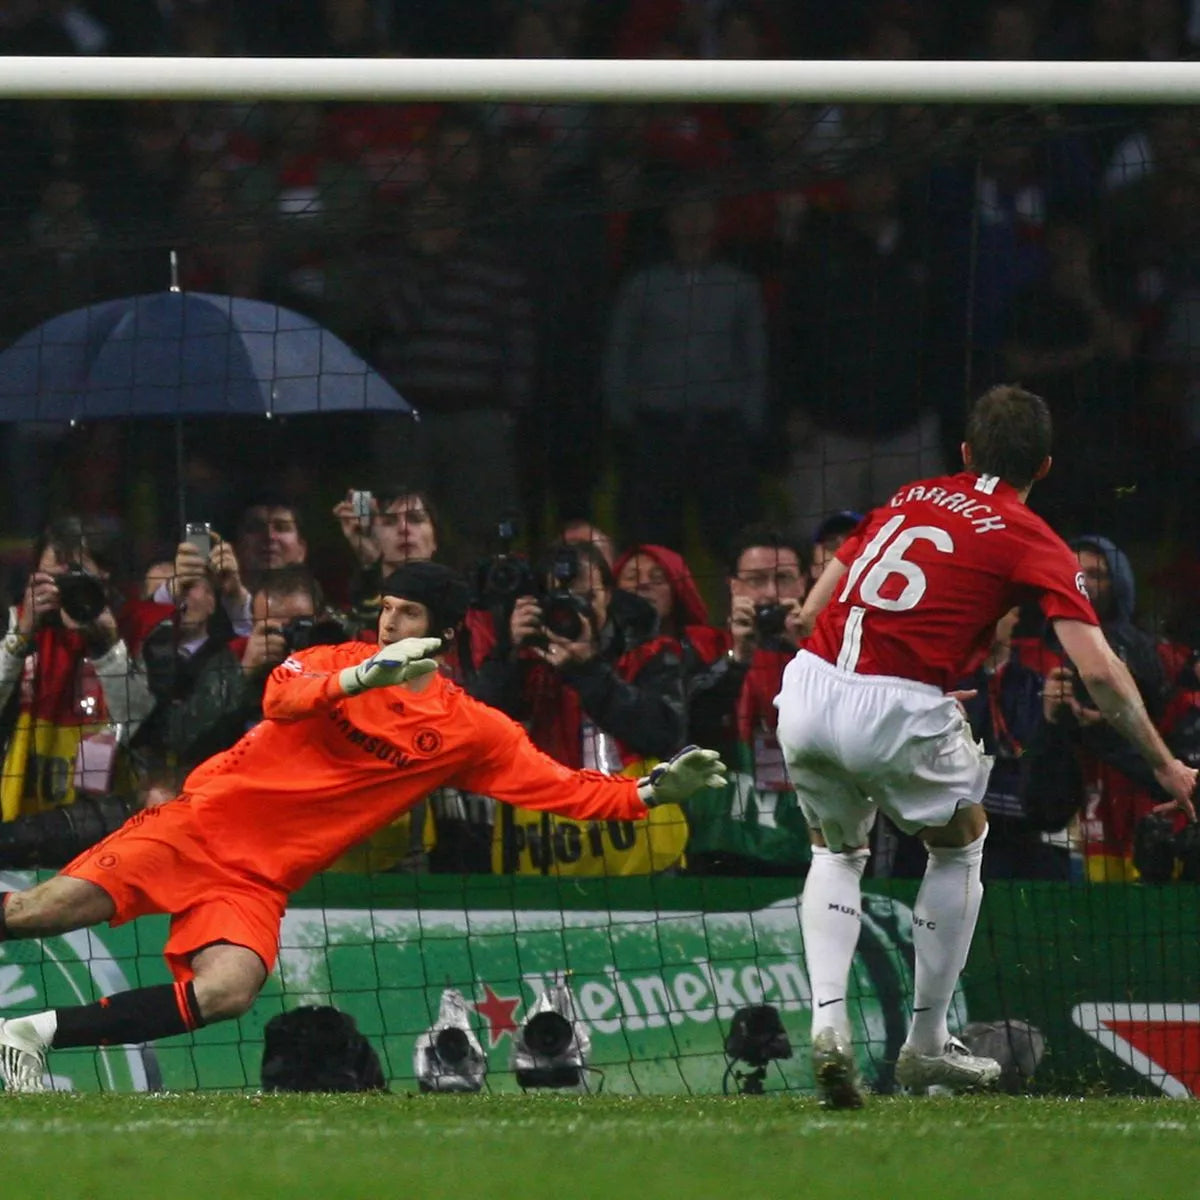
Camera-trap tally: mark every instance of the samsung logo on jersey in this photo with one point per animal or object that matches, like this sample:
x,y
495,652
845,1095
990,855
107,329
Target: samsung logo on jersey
x,y
982,517
368,743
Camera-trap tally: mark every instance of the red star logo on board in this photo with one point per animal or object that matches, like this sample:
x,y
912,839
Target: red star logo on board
x,y
498,1012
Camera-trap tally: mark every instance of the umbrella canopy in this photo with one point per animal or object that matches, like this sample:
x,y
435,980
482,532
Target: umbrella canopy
x,y
174,354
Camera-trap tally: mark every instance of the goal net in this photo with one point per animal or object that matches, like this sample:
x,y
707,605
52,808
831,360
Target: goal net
x,y
546,317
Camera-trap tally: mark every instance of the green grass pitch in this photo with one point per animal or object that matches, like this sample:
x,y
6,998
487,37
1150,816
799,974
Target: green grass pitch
x,y
213,1147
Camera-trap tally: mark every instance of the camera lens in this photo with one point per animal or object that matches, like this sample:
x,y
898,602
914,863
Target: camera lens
x,y
548,1034
562,615
451,1045
81,595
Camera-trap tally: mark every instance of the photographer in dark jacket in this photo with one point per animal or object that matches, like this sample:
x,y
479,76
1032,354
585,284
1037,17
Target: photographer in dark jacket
x,y
1006,716
210,692
582,666
597,694
1089,765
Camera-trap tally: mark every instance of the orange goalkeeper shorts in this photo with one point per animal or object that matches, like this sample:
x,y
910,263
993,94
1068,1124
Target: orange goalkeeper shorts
x,y
159,862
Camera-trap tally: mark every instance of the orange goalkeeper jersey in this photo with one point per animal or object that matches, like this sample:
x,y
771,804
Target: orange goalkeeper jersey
x,y
325,770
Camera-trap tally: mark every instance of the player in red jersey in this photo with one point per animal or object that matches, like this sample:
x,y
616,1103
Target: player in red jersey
x,y
907,606
353,735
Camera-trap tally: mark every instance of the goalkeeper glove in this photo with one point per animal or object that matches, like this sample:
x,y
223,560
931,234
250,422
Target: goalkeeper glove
x,y
402,661
686,772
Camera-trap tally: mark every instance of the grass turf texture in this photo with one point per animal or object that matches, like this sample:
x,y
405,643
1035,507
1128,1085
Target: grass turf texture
x,y
211,1147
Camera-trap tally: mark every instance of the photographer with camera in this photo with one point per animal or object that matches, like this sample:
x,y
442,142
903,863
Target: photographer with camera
x,y
73,689
209,691
581,665
733,677
1100,776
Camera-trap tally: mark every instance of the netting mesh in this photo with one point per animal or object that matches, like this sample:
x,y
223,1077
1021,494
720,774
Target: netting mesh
x,y
663,324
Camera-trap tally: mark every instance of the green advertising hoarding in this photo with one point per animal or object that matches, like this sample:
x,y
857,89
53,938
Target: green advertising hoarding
x,y
657,968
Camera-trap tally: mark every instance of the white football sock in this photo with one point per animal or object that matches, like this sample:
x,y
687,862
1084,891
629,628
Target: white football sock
x,y
944,919
830,919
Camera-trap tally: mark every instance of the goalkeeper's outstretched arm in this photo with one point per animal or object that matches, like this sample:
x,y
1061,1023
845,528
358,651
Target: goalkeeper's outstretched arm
x,y
516,772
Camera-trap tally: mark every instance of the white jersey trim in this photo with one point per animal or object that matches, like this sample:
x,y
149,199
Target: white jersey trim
x,y
852,638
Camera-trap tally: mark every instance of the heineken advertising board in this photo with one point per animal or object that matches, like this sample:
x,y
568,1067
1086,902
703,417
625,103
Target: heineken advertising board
x,y
657,968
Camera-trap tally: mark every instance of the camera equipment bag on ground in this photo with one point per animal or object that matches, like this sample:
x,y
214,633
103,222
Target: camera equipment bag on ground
x,y
317,1048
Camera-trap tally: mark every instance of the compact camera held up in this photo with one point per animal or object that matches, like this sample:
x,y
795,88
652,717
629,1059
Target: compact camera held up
x,y
770,620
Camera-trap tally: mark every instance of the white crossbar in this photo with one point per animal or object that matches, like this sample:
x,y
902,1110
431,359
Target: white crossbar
x,y
602,80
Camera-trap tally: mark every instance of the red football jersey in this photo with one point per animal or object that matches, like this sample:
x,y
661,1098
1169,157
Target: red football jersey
x,y
932,571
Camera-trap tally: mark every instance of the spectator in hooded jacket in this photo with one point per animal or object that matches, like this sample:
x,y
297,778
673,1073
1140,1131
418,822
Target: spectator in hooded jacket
x,y
1114,789
661,577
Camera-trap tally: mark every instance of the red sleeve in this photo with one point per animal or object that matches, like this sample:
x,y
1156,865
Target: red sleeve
x,y
1051,570
307,683
514,770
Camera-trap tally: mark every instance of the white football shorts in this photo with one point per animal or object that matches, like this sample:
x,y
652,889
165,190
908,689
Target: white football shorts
x,y
855,744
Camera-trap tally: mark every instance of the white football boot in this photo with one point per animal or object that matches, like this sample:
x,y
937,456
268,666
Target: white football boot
x,y
955,1068
22,1057
836,1071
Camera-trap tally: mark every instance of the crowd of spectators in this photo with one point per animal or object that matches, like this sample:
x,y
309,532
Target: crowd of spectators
x,y
693,324
112,689
798,293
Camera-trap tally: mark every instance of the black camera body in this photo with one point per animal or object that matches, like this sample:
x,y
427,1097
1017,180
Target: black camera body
x,y
563,614
770,619
1162,854
500,580
82,595
302,632
563,611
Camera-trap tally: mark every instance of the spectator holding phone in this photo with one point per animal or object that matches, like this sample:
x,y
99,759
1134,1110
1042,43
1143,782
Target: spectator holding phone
x,y
209,689
204,554
385,530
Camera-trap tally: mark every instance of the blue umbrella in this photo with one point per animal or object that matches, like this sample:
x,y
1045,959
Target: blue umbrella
x,y
177,354
174,354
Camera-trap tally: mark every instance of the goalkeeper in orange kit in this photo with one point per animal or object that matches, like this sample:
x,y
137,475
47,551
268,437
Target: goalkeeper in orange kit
x,y
353,735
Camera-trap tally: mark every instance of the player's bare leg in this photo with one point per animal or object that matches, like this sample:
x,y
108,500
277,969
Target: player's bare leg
x,y
56,906
944,917
227,979
830,919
